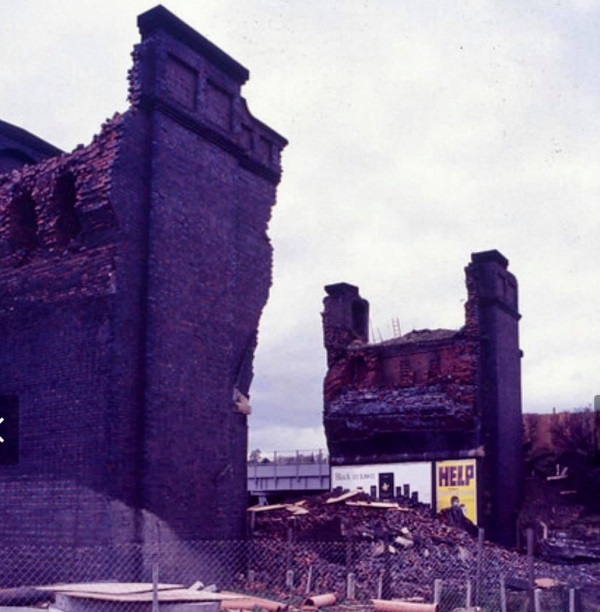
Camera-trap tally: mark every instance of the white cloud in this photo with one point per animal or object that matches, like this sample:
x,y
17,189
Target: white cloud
x,y
419,133
287,439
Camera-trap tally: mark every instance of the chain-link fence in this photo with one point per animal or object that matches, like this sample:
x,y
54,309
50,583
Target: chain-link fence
x,y
289,571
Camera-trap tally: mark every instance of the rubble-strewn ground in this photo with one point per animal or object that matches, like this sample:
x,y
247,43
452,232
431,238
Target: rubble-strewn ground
x,y
393,551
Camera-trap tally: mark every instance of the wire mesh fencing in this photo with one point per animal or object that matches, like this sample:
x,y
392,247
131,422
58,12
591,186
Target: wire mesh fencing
x,y
289,571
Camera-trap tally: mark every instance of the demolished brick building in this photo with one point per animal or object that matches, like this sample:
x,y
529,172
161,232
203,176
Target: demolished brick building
x,y
133,273
431,397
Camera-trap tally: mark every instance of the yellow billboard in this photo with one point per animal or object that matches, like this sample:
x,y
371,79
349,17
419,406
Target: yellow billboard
x,y
456,485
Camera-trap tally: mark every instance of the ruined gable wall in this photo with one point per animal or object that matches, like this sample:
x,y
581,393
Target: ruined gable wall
x,y
405,397
213,175
130,304
437,394
57,298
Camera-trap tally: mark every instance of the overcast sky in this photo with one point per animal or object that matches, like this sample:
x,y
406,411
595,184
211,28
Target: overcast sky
x,y
420,131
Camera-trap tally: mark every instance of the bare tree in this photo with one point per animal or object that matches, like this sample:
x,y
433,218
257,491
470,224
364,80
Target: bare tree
x,y
574,432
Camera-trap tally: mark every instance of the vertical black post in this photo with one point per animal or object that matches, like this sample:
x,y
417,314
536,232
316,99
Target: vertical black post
x,y
434,488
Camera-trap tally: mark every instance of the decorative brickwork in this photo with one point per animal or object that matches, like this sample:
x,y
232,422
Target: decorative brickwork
x,y
133,273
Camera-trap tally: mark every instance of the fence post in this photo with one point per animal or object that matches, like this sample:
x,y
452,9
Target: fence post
x,y
289,579
480,538
350,587
469,597
537,600
288,553
530,572
437,591
572,606
502,594
309,579
155,587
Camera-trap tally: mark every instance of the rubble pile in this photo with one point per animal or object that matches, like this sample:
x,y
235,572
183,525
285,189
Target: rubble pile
x,y
561,491
391,549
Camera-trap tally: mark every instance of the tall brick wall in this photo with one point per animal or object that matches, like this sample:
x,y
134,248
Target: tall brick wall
x,y
133,273
434,394
496,311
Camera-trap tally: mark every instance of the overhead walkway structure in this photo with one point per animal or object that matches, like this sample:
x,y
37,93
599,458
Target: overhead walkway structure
x,y
277,474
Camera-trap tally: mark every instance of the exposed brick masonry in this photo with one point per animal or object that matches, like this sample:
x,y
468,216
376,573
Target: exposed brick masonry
x,y
432,394
133,273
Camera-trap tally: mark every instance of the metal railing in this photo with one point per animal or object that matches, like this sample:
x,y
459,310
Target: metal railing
x,y
288,471
294,457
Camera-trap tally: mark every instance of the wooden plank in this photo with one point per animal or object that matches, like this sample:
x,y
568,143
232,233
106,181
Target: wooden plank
x,y
379,505
115,588
296,510
173,595
249,602
344,496
266,508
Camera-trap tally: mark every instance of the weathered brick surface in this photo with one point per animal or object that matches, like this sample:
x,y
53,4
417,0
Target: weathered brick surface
x,y
433,394
133,273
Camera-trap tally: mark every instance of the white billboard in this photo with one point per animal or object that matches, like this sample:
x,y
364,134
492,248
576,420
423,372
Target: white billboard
x,y
385,480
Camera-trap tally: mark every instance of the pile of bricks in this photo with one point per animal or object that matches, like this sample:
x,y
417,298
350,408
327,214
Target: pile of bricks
x,y
398,548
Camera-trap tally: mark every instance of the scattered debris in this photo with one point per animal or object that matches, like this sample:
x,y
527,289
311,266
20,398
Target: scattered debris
x,y
547,583
319,601
396,553
570,549
382,605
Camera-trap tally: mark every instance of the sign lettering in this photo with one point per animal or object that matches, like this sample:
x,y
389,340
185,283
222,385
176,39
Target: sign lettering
x,y
456,483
